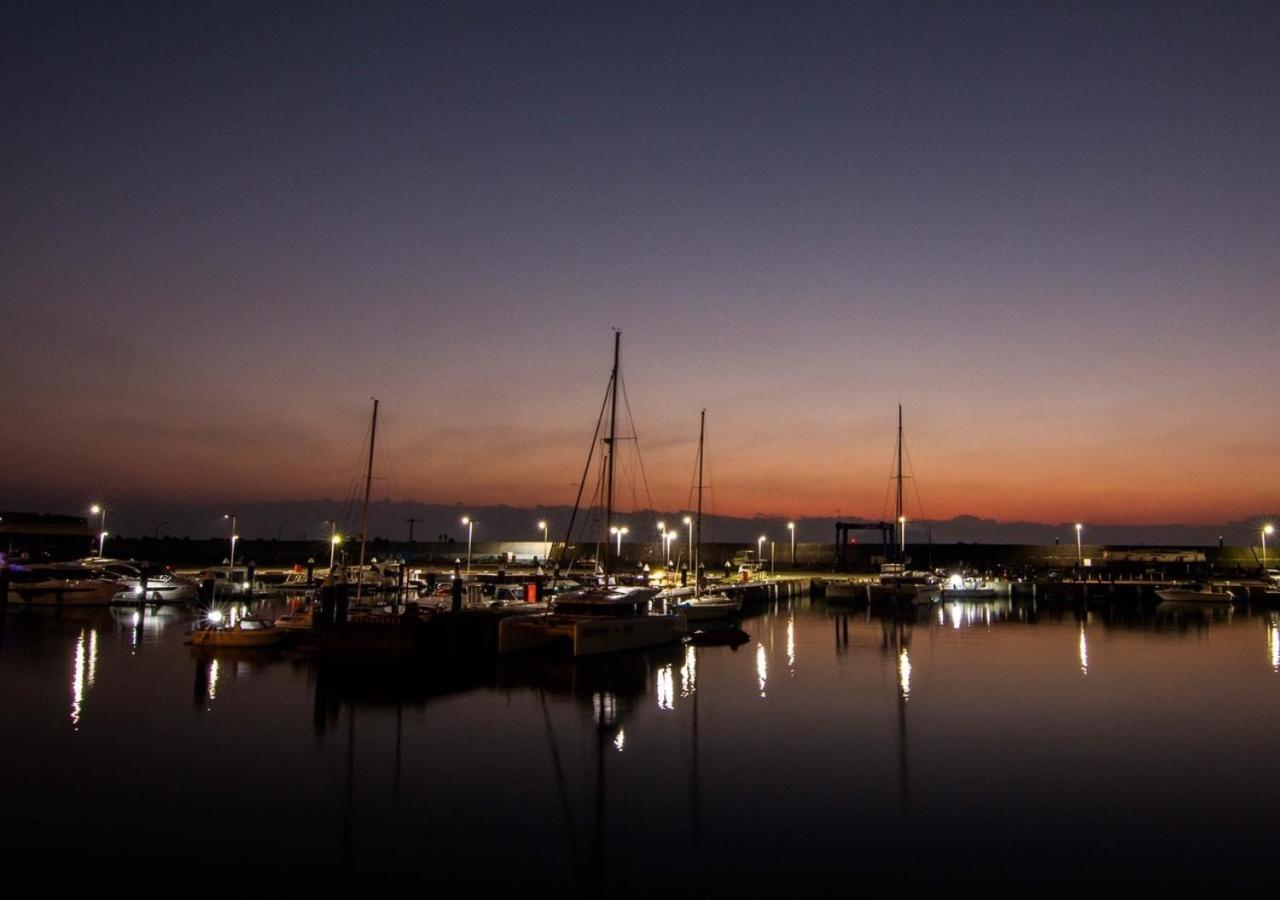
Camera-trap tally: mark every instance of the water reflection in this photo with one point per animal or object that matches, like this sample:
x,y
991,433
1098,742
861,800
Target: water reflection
x,y
666,688
77,680
1084,651
1273,641
791,643
762,668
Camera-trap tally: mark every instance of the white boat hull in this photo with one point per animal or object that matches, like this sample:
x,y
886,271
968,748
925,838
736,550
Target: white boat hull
x,y
703,609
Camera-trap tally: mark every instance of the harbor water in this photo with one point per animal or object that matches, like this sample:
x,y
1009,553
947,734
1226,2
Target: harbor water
x,y
1004,744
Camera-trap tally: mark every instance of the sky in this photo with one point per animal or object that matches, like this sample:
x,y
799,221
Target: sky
x,y
1048,230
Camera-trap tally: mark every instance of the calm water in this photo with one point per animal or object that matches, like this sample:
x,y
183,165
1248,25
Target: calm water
x,y
978,743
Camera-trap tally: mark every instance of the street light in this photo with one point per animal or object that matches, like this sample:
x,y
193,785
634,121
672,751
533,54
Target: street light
x,y
619,532
662,536
1079,551
471,524
232,564
334,540
546,544
773,556
667,538
98,509
688,521
902,537
1266,530
760,551
791,526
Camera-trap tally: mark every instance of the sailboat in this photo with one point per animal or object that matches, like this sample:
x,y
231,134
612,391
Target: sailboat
x,y
610,616
896,582
702,606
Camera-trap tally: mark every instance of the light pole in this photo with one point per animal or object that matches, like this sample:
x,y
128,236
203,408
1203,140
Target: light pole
x,y
662,536
334,540
688,521
760,552
667,538
471,524
902,537
232,563
99,510
791,526
546,543
773,556
1266,530
1079,551
619,532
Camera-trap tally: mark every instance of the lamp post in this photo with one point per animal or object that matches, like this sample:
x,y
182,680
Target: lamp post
x,y
688,521
100,510
773,556
1266,530
791,526
546,544
902,537
471,524
334,540
667,538
232,563
662,536
760,552
619,532
1079,551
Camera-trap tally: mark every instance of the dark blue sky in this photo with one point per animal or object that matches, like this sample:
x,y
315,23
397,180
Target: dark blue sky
x,y
1050,230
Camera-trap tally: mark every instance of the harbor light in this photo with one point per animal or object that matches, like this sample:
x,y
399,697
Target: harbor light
x,y
1266,530
99,510
791,526
619,532
760,552
471,524
902,535
546,544
689,522
334,540
1079,549
215,616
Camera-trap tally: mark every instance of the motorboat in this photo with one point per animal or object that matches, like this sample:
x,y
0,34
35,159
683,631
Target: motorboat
x,y
242,631
301,619
961,587
706,607
60,584
593,621
163,586
1195,592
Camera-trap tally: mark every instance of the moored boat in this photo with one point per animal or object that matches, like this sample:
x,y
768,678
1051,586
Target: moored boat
x,y
245,631
1195,592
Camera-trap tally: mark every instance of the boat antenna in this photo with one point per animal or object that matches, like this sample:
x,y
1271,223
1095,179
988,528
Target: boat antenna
x,y
697,559
368,485
609,443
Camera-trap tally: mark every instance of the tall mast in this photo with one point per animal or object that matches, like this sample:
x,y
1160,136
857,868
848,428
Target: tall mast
x,y
368,485
702,432
902,526
609,441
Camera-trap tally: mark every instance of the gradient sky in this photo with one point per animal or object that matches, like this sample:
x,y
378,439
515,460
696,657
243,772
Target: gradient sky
x,y
1050,231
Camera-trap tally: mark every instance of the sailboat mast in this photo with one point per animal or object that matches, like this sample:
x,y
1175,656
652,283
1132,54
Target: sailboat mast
x,y
902,526
368,485
609,441
697,559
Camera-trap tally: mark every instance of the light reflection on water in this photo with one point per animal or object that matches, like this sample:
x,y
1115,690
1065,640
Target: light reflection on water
x,y
1003,734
